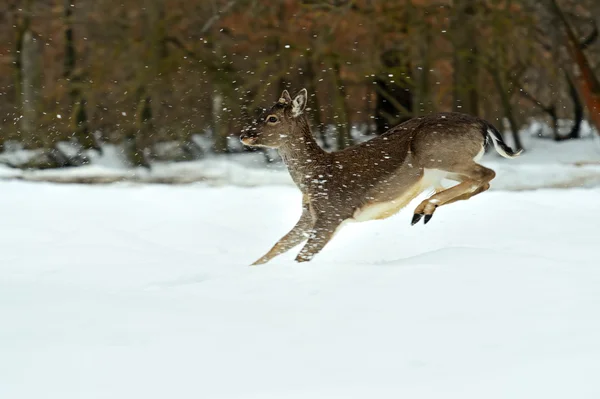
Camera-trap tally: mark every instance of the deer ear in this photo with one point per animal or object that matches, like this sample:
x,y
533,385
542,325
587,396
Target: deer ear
x,y
285,98
299,102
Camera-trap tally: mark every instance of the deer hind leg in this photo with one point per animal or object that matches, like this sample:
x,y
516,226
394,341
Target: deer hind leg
x,y
474,180
294,237
466,196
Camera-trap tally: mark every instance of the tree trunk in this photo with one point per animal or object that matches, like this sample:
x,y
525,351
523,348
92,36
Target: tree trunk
x,y
70,55
589,84
78,117
219,125
30,73
311,79
575,132
344,136
21,29
466,68
282,61
145,132
423,92
507,107
139,145
394,101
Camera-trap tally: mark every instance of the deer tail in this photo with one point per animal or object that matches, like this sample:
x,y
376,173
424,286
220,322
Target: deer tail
x,y
501,147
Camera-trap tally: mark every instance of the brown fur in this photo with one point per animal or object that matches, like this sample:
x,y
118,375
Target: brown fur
x,y
374,179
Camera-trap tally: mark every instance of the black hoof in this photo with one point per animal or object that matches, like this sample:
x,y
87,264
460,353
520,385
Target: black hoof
x,y
427,218
416,218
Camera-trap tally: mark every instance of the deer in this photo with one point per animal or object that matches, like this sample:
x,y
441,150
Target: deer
x,y
375,179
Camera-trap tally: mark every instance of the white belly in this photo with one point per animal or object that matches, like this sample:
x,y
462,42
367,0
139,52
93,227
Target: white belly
x,y
382,210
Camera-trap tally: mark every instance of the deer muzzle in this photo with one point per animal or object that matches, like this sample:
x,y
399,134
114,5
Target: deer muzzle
x,y
249,136
248,140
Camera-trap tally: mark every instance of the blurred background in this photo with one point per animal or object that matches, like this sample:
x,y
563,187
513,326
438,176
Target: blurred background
x,y
144,83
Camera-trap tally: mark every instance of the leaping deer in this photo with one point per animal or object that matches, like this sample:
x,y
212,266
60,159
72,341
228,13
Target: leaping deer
x,y
377,178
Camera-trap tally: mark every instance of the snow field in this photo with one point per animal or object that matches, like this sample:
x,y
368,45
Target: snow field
x,y
129,291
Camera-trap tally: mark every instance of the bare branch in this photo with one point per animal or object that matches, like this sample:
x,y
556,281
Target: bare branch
x,y
212,20
588,41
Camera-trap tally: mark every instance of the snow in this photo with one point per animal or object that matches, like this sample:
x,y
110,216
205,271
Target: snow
x,y
143,291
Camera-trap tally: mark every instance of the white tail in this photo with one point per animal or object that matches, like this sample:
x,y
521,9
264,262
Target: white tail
x,y
500,145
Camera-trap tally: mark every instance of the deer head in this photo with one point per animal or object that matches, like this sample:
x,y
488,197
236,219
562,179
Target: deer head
x,y
276,123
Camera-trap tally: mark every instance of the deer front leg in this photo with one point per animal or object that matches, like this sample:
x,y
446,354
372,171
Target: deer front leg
x,y
322,231
294,237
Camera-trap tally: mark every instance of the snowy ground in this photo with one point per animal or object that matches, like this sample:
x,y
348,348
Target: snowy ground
x,y
140,291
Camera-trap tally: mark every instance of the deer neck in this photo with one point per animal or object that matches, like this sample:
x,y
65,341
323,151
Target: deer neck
x,y
302,155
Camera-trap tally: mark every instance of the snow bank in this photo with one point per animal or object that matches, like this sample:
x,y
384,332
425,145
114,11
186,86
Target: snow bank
x,y
545,164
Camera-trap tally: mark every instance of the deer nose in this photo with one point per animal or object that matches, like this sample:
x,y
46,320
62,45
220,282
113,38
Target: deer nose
x,y
245,139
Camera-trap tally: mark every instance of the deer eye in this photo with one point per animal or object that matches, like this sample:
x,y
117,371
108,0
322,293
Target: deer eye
x,y
272,119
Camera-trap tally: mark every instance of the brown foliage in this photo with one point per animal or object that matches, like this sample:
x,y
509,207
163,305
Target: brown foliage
x,y
175,55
